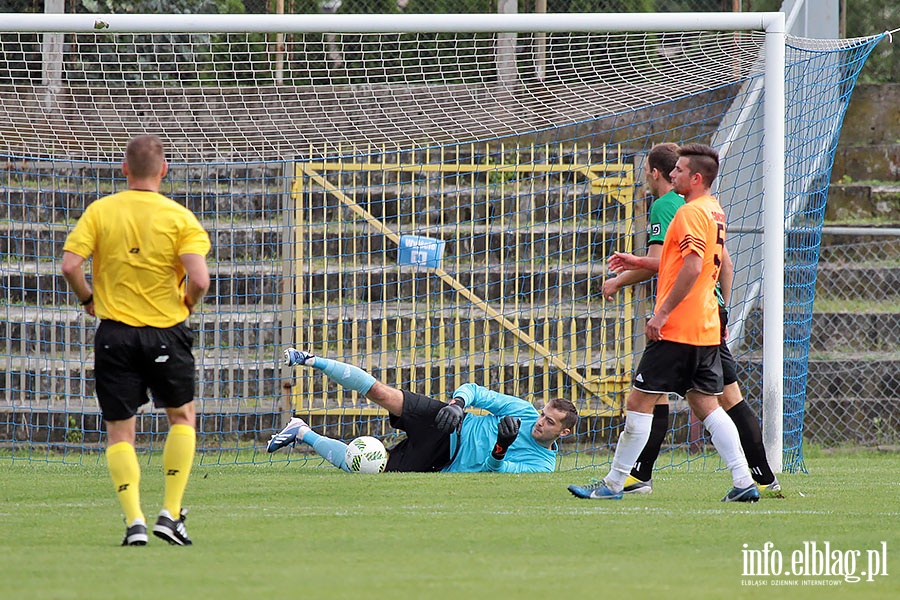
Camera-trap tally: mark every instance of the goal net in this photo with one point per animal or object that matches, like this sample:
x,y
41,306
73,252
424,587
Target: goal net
x,y
432,199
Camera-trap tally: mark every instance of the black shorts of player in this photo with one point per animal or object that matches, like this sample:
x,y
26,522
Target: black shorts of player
x,y
729,367
672,367
128,361
425,449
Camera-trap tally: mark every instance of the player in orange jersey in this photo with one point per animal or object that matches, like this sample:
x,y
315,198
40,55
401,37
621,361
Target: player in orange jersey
x,y
682,353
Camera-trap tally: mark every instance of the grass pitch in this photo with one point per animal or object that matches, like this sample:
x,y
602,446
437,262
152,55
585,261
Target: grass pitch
x,y
287,531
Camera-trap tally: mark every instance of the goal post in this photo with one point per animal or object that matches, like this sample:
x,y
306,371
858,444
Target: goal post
x,y
773,224
380,127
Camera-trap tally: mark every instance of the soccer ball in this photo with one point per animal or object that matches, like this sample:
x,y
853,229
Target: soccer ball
x,y
366,454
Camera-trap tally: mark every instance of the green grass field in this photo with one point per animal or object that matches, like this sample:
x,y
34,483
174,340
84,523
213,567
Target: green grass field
x,y
301,532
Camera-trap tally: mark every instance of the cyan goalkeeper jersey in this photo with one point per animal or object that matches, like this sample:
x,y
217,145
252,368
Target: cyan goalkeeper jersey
x,y
479,434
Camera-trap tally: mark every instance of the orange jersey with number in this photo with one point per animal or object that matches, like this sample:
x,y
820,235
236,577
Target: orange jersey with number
x,y
698,227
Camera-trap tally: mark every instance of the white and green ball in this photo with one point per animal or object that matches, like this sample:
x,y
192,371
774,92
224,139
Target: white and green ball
x,y
366,454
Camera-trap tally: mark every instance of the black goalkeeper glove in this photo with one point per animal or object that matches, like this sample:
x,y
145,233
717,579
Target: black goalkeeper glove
x,y
449,418
507,431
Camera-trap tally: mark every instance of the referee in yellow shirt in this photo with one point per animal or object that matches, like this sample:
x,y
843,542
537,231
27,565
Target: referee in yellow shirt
x,y
149,272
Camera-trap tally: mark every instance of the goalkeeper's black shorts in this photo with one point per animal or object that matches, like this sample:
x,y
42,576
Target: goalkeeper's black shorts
x,y
425,449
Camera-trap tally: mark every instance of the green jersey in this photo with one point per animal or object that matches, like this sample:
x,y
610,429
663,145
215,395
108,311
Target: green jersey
x,y
662,211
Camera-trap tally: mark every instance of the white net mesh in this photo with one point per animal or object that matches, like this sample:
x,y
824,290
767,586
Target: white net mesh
x,y
220,97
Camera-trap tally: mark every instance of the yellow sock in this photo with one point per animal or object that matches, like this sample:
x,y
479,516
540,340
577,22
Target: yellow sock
x,y
126,475
178,457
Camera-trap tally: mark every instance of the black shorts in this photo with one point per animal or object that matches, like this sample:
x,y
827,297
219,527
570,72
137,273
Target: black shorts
x,y
425,449
128,361
729,367
671,367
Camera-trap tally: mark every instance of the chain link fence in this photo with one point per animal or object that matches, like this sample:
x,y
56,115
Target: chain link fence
x,y
854,365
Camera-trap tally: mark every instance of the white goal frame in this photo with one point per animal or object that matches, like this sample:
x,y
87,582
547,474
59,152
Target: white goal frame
x,y
772,23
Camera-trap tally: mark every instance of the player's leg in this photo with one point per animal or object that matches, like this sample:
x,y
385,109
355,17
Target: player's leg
x,y
702,396
639,481
725,438
334,451
631,441
747,424
634,436
350,377
751,437
125,471
120,392
178,458
660,371
172,383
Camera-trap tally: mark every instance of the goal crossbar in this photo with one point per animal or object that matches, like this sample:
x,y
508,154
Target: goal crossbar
x,y
772,22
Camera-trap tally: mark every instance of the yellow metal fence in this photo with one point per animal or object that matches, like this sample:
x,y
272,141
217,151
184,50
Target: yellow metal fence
x,y
515,304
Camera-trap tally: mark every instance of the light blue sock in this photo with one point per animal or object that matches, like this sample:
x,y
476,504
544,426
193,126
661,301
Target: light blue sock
x,y
348,376
330,449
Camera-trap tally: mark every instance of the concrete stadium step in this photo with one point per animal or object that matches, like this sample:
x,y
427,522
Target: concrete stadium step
x,y
879,202
868,245
849,333
257,240
60,205
58,332
834,280
868,147
863,421
268,241
38,425
252,283
445,201
863,375
243,386
867,162
42,383
842,332
38,382
257,283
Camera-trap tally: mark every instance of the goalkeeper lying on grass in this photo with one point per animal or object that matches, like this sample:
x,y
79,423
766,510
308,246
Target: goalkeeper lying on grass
x,y
442,436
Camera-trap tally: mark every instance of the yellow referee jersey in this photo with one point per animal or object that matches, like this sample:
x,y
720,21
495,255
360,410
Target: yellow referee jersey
x,y
136,239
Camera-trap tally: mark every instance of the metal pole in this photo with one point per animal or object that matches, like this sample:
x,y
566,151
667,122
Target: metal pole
x,y
506,45
52,57
773,220
540,52
279,47
412,23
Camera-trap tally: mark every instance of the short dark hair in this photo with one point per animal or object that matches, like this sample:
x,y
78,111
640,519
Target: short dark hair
x,y
663,157
566,406
145,156
701,159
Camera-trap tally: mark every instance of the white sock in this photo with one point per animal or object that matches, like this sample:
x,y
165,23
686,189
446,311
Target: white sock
x,y
728,444
631,441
